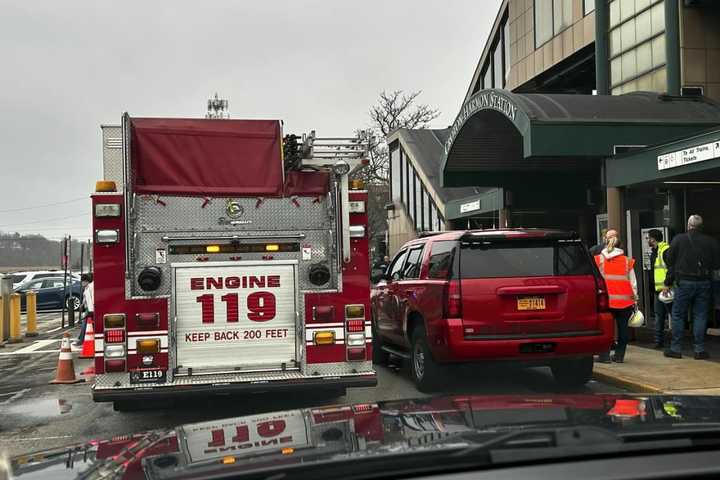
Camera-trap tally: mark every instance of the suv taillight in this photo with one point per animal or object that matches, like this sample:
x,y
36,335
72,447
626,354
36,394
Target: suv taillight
x,y
453,300
603,301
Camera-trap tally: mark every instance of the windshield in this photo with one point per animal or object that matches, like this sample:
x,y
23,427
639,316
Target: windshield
x,y
257,234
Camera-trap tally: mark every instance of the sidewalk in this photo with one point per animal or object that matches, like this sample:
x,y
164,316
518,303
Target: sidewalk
x,y
647,371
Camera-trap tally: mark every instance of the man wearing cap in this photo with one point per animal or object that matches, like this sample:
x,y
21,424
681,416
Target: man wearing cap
x,y
657,260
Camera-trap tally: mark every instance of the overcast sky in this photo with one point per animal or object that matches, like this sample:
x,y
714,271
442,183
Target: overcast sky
x,y
67,67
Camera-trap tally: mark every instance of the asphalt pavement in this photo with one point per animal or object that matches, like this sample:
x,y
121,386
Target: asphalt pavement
x,y
35,415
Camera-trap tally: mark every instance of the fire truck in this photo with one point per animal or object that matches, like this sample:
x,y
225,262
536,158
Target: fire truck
x,y
228,258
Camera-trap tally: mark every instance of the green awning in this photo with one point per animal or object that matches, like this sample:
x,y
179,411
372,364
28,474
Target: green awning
x,y
514,140
686,160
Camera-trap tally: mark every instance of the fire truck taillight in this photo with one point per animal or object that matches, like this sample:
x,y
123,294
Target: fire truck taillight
x,y
212,248
148,346
324,338
147,320
107,236
356,354
115,365
105,186
114,320
357,231
355,311
107,210
115,335
114,351
323,313
272,247
356,207
355,340
356,325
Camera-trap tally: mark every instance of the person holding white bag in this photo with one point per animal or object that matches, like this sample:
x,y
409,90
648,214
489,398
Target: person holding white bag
x,y
619,274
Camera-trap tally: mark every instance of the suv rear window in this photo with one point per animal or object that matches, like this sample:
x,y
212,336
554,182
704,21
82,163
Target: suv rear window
x,y
524,258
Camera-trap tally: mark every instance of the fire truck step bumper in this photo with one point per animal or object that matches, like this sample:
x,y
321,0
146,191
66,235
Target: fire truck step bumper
x,y
109,390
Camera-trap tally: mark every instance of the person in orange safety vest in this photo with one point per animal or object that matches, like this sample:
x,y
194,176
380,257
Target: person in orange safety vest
x,y
617,270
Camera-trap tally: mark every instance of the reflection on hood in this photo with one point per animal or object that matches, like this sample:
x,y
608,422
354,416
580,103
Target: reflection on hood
x,y
357,431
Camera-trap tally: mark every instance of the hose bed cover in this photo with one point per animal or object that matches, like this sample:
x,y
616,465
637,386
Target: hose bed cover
x,y
176,156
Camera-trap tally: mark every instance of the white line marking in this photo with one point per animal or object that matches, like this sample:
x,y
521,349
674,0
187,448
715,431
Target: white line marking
x,y
33,439
30,353
54,330
15,396
36,346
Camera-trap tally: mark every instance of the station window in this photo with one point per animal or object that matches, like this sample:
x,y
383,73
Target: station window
x,y
411,187
487,77
499,78
395,173
588,6
418,204
551,18
637,45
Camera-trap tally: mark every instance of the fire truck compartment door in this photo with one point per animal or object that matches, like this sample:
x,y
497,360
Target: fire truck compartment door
x,y
235,314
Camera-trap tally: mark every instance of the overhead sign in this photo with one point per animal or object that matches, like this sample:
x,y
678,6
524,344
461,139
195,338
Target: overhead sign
x,y
699,153
486,99
470,206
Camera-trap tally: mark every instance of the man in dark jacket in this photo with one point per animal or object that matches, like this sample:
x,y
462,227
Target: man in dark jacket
x,y
691,258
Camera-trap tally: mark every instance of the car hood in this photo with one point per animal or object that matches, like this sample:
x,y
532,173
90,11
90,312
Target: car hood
x,y
339,432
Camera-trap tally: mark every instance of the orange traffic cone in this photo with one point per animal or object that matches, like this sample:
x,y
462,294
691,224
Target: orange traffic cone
x,y
88,347
65,369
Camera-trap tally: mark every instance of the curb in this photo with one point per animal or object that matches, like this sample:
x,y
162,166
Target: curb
x,y
627,383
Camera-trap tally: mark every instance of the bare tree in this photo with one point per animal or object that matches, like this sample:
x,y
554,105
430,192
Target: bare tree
x,y
392,111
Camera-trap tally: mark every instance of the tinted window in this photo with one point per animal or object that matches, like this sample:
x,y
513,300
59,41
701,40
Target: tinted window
x,y
45,275
441,257
395,273
523,259
18,278
412,266
52,283
34,285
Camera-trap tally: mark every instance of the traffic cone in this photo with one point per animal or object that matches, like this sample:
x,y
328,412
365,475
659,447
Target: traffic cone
x,y
88,347
66,370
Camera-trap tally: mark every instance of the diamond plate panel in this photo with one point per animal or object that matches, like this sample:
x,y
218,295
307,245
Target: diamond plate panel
x,y
114,381
337,369
187,214
112,154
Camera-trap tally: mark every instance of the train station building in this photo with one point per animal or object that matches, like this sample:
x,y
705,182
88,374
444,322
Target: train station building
x,y
580,115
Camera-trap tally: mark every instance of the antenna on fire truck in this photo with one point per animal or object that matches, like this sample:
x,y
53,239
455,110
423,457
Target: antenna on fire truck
x,y
217,108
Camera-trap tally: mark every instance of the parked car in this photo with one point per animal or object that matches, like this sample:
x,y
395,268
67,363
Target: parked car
x,y
533,297
51,293
23,277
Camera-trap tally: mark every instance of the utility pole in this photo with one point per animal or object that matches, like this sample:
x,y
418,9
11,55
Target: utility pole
x,y
217,108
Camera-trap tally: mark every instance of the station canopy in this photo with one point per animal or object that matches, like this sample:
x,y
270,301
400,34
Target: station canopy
x,y
514,140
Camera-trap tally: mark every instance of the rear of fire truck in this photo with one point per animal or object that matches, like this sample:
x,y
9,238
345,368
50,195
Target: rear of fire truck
x,y
228,259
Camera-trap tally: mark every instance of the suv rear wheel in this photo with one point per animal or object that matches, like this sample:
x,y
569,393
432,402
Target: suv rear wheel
x,y
424,369
573,372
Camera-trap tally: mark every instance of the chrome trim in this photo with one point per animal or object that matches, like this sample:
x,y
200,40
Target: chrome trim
x,y
167,238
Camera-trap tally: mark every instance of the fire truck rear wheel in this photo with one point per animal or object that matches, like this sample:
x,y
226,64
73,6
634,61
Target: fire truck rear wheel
x,y
122,406
425,371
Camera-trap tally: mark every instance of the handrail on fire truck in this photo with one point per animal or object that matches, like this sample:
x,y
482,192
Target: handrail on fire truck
x,y
344,155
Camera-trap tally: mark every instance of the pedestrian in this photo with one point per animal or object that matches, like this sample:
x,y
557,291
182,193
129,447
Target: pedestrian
x,y
691,258
386,262
597,249
617,270
88,304
657,259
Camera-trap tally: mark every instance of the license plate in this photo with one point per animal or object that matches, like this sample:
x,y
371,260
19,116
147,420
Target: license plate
x,y
531,303
148,376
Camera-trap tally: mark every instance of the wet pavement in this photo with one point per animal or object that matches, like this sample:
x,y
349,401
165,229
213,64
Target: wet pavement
x,y
35,415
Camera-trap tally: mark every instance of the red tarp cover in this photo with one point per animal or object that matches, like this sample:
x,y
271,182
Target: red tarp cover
x,y
307,183
206,157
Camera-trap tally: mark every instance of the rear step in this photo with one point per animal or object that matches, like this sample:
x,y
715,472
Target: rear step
x,y
396,352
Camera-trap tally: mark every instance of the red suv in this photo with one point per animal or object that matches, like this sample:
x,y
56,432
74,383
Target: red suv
x,y
529,296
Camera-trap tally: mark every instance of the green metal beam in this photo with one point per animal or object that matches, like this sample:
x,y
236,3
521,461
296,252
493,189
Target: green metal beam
x,y
672,46
602,65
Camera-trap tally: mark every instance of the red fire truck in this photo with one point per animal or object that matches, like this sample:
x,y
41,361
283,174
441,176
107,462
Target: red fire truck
x,y
228,259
